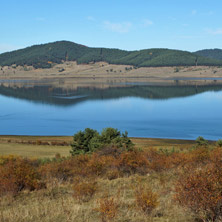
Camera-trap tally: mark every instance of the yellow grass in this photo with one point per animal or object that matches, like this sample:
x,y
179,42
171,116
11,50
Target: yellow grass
x,y
33,150
57,204
11,145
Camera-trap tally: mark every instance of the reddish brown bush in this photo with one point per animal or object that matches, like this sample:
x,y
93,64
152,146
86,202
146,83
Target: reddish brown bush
x,y
133,162
157,161
98,165
66,169
84,189
107,208
216,157
146,199
17,175
59,143
199,155
112,174
201,191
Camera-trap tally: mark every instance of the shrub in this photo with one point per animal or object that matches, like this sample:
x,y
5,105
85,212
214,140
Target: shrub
x,y
146,199
17,175
200,141
157,161
84,190
107,208
216,157
219,143
201,192
110,150
132,162
65,169
199,155
112,174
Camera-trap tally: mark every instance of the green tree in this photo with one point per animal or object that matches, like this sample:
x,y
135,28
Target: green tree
x,y
90,140
84,141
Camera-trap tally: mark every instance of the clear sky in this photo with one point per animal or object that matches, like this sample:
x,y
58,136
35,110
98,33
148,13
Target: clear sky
x,y
126,24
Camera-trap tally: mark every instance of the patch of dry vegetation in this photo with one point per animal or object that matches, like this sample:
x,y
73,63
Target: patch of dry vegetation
x,y
137,185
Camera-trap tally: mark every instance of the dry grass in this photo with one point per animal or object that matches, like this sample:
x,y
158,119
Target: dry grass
x,y
11,145
57,204
33,150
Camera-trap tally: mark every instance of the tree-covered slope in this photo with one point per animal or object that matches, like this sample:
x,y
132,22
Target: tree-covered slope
x,y
210,53
43,56
164,57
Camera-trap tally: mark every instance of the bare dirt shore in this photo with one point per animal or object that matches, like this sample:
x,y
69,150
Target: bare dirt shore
x,y
104,72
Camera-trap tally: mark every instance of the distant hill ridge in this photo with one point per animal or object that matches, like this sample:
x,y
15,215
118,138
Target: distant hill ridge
x,y
44,55
210,53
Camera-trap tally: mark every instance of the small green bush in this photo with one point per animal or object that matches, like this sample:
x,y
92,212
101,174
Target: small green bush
x,y
200,141
219,143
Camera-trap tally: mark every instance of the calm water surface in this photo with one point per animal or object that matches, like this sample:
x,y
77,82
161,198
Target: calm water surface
x,y
144,111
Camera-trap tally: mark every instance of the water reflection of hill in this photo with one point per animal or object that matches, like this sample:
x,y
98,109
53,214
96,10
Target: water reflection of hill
x,y
66,97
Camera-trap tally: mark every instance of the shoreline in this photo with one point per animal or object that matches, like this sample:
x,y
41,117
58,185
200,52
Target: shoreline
x,y
103,70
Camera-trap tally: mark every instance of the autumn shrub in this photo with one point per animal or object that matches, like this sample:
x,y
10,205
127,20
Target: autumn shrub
x,y
157,161
107,208
216,157
146,199
98,165
200,154
61,171
79,165
132,162
18,174
66,168
111,150
201,191
112,174
84,189
39,142
176,160
5,159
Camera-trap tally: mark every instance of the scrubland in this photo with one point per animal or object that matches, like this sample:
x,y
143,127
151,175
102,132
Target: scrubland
x,y
171,182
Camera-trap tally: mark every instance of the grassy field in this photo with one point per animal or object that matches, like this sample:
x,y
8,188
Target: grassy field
x,y
23,145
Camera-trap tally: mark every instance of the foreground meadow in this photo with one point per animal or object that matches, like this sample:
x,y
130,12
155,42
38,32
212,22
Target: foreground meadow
x,y
156,180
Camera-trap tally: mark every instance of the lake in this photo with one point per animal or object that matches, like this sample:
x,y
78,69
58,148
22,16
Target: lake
x,y
182,112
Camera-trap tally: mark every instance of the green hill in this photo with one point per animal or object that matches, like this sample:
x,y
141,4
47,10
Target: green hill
x,y
43,56
210,53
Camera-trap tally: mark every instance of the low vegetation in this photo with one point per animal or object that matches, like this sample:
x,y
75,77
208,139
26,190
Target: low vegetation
x,y
114,182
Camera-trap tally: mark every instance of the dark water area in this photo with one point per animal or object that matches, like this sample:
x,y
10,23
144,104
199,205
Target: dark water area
x,y
183,112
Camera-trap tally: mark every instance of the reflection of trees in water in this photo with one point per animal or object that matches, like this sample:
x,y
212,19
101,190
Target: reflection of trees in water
x,y
65,97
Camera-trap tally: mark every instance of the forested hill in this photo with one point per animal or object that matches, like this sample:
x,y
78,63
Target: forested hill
x,y
43,56
211,53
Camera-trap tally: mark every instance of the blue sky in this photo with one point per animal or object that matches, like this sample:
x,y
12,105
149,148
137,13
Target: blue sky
x,y
126,24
